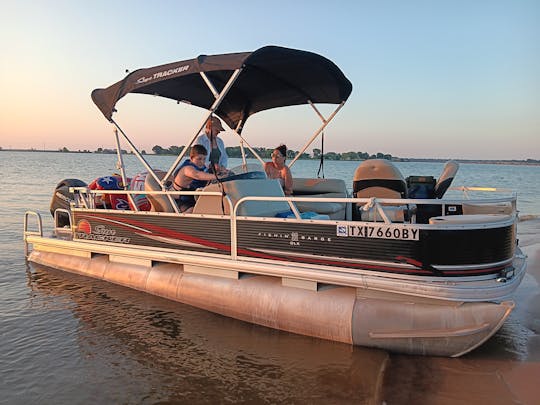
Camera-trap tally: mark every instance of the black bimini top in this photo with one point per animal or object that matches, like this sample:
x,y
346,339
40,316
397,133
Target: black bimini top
x,y
271,77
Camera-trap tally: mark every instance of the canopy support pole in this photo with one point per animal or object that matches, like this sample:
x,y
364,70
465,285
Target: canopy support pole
x,y
321,128
219,98
244,163
316,110
250,148
136,152
146,165
120,165
210,85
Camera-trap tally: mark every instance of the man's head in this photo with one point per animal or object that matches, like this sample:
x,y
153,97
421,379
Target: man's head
x,y
213,125
197,155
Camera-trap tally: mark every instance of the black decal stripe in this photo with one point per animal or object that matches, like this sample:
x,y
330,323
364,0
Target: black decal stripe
x,y
156,230
383,268
257,238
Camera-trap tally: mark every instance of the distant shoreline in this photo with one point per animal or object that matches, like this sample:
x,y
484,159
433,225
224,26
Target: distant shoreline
x,y
476,161
528,162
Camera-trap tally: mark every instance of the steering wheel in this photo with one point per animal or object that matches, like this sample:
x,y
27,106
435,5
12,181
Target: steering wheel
x,y
254,175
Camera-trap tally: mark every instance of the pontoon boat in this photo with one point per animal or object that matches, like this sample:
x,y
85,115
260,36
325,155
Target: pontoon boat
x,y
385,262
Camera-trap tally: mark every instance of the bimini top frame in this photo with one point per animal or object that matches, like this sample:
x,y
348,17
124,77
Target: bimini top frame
x,y
235,86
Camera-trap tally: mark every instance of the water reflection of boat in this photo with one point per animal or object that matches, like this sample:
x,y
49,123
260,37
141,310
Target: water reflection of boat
x,y
207,354
397,265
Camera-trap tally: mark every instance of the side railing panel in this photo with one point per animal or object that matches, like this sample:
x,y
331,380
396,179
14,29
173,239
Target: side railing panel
x,y
84,198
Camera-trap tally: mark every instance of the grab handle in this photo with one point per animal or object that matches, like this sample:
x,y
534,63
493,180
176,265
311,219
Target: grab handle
x,y
26,232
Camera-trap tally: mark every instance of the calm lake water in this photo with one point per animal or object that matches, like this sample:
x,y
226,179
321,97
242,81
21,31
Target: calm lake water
x,y
67,339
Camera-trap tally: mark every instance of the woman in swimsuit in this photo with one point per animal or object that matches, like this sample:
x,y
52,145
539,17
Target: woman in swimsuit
x,y
276,169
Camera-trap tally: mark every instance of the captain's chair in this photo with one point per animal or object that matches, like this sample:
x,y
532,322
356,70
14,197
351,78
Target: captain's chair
x,y
379,178
445,179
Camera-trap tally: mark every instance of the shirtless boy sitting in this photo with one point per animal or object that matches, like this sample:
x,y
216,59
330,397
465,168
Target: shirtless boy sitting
x,y
192,175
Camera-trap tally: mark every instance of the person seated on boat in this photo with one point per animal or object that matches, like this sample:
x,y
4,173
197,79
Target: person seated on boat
x,y
191,175
277,169
217,159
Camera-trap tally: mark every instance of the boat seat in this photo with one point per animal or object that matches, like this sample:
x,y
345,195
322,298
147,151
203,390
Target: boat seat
x,y
237,189
321,188
378,178
469,219
159,203
488,208
445,179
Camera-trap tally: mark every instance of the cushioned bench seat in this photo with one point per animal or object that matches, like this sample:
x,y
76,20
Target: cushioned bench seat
x,y
321,188
237,189
469,219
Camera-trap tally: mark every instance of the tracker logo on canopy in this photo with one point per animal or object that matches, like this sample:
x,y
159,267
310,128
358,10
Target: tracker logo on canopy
x,y
164,73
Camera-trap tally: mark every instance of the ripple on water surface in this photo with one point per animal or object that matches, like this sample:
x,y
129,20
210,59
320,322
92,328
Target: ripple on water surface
x,y
132,346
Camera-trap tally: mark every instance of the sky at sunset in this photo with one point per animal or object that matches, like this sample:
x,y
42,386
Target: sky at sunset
x,y
440,79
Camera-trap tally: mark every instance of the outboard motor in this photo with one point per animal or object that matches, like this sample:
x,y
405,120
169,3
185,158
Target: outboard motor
x,y
62,198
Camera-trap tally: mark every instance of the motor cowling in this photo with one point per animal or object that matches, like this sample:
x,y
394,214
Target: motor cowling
x,y
62,198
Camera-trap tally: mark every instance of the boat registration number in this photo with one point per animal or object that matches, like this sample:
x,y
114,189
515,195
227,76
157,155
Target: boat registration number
x,y
379,231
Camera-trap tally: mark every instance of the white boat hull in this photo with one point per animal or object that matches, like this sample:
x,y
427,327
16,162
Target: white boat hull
x,y
349,314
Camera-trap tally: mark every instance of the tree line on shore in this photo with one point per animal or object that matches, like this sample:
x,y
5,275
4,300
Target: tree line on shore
x,y
235,152
265,153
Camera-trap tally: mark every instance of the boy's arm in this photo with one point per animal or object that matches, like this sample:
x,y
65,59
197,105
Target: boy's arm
x,y
198,175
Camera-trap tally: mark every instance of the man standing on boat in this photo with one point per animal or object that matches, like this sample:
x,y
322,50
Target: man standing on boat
x,y
217,158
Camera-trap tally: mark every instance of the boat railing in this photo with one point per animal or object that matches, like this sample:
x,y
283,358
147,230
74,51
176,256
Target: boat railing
x,y
382,206
469,194
379,204
57,213
84,198
27,232
466,190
